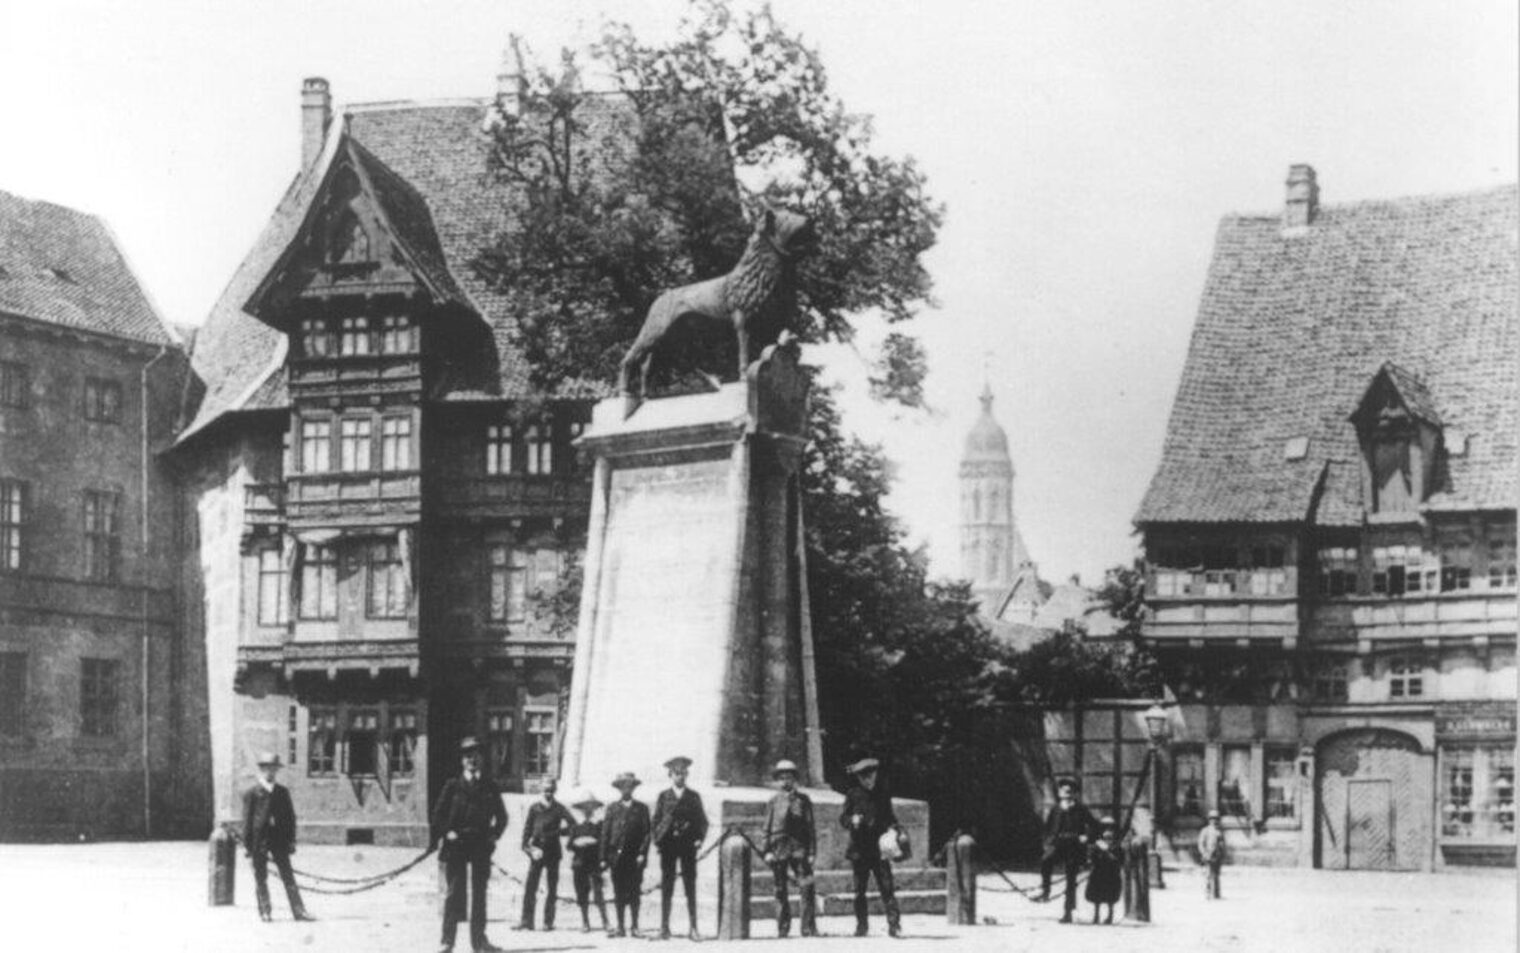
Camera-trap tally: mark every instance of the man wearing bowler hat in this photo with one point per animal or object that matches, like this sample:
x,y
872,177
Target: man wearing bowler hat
x,y
791,841
680,826
467,822
547,821
625,848
867,816
269,832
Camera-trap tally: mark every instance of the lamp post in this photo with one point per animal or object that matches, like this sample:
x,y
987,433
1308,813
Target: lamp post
x,y
1157,726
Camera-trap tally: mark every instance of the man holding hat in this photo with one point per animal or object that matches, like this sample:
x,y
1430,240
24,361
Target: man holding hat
x,y
467,821
547,821
1068,828
269,831
680,826
586,859
791,841
867,816
625,847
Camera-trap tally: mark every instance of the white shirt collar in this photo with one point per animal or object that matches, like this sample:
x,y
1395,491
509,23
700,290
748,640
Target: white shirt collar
x,y
266,784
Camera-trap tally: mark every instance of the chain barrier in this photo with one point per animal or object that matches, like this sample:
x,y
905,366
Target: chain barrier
x,y
352,884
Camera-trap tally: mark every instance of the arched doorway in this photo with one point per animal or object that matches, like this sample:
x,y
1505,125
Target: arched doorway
x,y
1372,802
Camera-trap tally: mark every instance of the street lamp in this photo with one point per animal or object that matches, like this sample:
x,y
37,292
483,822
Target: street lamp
x,y
1157,725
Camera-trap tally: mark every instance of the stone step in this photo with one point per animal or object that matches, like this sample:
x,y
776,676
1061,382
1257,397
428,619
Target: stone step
x,y
843,904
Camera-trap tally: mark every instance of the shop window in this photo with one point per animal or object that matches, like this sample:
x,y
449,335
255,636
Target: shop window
x,y
13,516
1406,678
1281,797
355,439
1501,559
316,338
1478,793
396,443
102,535
319,583
1337,571
540,445
402,744
274,607
1330,683
355,339
361,745
316,446
539,725
322,742
1235,781
99,697
15,385
1187,780
498,449
12,694
387,596
499,742
102,400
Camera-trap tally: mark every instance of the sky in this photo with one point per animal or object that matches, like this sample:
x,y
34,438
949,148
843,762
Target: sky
x,y
1085,151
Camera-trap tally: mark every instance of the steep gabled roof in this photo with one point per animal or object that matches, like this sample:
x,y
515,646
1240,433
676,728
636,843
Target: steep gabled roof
x,y
1409,388
59,266
1294,327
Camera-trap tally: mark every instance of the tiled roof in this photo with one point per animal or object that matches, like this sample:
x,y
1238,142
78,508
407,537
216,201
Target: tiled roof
x,y
1294,327
63,267
434,183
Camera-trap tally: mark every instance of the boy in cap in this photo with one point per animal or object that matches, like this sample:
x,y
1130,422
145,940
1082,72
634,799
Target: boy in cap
x,y
680,826
1211,852
1068,828
867,816
791,841
547,821
625,847
467,821
269,831
586,860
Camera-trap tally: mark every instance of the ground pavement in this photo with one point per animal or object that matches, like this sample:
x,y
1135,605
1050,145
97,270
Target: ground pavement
x,y
128,897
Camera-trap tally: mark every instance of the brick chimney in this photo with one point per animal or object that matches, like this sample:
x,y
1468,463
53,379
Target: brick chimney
x,y
1302,206
316,115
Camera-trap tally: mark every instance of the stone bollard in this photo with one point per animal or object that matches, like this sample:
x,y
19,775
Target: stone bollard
x,y
223,871
733,888
960,881
1137,889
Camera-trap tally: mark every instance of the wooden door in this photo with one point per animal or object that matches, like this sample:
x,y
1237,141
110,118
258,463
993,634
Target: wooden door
x,y
1369,824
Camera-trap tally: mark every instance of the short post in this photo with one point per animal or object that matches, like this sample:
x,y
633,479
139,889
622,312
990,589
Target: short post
x,y
733,888
223,867
1137,890
960,881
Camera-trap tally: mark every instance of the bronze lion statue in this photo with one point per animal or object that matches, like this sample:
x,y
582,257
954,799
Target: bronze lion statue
x,y
757,297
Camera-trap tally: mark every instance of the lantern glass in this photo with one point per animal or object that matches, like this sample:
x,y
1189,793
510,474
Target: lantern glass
x,y
1155,722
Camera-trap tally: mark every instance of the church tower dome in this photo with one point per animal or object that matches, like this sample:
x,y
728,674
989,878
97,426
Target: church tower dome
x,y
991,551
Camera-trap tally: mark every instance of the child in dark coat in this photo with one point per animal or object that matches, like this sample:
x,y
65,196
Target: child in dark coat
x,y
1106,882
586,860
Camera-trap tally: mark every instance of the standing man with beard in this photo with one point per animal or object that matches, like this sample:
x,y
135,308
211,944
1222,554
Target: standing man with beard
x,y
867,816
467,822
269,833
680,826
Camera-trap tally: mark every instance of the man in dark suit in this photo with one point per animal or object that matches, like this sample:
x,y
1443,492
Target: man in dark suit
x,y
1068,828
680,826
269,832
625,848
467,821
867,816
547,821
790,842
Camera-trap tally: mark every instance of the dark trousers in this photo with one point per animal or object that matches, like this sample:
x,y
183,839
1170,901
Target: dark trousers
x,y
260,859
799,867
864,868
687,858
627,882
1069,858
479,865
548,867
587,879
1211,886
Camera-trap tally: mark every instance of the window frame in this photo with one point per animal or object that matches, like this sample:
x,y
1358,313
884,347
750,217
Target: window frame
x,y
1277,755
273,588
355,336
102,400
1237,805
501,438
500,723
402,730
99,697
316,440
15,508
395,442
383,565
102,535
15,385
361,736
322,741
531,755
356,443
538,439
14,676
324,572
1189,754
1406,677
507,567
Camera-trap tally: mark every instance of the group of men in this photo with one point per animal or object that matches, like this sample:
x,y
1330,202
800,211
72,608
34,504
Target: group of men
x,y
469,819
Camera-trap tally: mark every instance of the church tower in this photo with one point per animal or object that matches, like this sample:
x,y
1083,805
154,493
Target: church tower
x,y
991,551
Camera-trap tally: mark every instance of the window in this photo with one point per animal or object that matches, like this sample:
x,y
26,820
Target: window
x,y
387,597
319,583
291,724
539,758
102,534
12,694
316,446
1405,678
1478,792
1282,782
13,513
316,338
396,443
99,696
1397,570
1337,571
1501,559
1187,780
540,440
322,742
398,335
1330,683
102,400
499,742
1390,473
1456,563
402,744
352,248
1235,781
1268,577
509,584
361,748
1499,809
274,607
498,449
15,385
354,341
354,441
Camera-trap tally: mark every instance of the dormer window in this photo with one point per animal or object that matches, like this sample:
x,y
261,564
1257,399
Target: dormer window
x,y
350,243
1399,430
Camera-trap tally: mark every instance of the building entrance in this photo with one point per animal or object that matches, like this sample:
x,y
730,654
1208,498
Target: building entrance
x,y
1371,795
